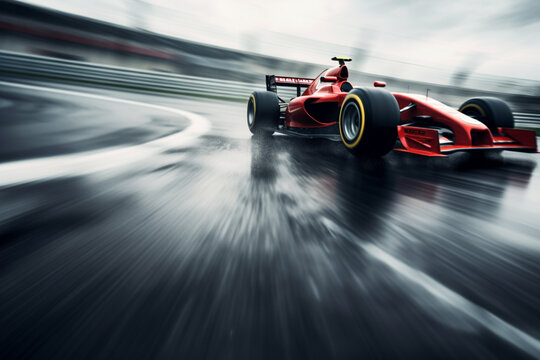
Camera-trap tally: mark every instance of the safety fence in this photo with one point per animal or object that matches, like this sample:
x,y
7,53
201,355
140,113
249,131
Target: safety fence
x,y
83,72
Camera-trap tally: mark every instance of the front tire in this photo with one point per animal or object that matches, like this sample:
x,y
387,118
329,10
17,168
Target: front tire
x,y
263,113
492,112
368,122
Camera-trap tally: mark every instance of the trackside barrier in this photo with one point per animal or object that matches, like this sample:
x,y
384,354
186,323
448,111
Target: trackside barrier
x,y
16,63
47,67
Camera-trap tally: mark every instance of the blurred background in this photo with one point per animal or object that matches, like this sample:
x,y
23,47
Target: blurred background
x,y
483,45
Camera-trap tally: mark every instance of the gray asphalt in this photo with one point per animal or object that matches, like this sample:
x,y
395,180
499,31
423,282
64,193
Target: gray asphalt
x,y
236,248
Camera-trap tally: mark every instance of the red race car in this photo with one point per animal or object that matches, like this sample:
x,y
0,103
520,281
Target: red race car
x,y
373,121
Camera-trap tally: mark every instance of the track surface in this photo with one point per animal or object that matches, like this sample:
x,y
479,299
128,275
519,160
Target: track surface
x,y
227,247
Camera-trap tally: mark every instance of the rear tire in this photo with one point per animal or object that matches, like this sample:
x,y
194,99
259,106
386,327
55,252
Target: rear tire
x,y
492,112
263,113
368,122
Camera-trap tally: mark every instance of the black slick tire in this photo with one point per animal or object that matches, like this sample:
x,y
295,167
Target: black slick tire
x,y
368,121
263,113
492,112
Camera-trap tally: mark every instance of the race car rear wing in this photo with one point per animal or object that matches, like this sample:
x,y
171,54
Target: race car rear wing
x,y
273,81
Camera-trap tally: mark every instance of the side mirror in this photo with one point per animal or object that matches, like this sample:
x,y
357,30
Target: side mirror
x,y
328,78
379,84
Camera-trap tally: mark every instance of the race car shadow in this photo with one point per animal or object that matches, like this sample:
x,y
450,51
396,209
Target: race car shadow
x,y
362,188
370,188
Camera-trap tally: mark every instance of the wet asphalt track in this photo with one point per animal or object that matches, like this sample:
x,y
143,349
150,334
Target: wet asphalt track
x,y
225,247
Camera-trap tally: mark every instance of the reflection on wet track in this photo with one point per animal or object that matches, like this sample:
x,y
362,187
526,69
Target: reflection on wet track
x,y
238,248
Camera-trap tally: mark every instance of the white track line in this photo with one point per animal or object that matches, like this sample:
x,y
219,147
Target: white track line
x,y
475,313
18,172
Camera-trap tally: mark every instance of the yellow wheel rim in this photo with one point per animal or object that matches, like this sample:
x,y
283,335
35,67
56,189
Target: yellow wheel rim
x,y
251,117
474,106
348,122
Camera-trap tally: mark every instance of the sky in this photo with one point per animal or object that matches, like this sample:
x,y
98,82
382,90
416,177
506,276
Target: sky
x,y
412,39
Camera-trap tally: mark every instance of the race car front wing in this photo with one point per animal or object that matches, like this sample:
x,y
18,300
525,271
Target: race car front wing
x,y
428,142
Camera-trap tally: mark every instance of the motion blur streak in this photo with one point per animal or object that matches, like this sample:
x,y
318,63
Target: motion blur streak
x,y
87,162
238,247
444,295
483,317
